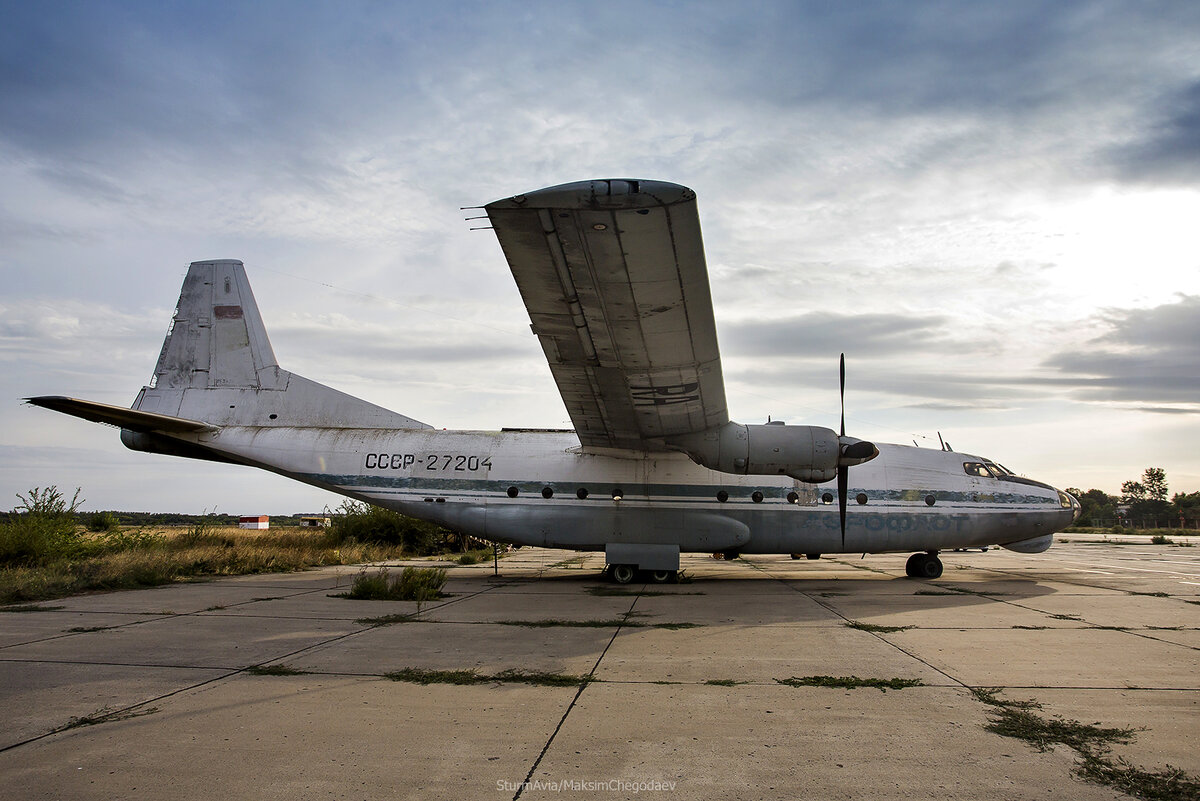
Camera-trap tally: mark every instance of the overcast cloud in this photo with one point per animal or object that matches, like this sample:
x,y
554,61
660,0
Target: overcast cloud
x,y
990,208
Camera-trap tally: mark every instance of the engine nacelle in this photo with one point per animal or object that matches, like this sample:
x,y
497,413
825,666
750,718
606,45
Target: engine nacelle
x,y
806,453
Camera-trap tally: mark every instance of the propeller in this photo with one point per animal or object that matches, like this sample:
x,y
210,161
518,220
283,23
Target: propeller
x,y
850,453
843,470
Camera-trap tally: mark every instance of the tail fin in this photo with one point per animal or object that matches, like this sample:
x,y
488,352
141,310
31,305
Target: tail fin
x,y
217,365
217,338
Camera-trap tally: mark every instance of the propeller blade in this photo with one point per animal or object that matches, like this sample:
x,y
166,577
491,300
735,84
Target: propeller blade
x,y
843,489
843,471
842,393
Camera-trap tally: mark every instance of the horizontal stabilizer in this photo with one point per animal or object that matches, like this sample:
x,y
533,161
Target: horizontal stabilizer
x,y
119,416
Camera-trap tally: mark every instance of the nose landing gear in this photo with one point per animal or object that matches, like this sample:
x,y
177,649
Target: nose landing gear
x,y
924,566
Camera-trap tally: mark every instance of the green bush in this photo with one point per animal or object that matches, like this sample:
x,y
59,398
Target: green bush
x,y
102,521
361,522
41,529
418,584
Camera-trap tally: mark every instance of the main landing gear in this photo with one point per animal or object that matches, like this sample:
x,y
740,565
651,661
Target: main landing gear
x,y
623,574
924,565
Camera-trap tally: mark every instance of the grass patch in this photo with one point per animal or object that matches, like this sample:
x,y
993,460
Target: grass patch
x,y
474,557
132,559
88,629
850,682
463,677
29,608
275,670
723,682
582,624
1152,594
1093,743
1067,617
676,626
385,620
106,716
873,627
619,592
418,584
1159,539
933,592
1031,628
1170,784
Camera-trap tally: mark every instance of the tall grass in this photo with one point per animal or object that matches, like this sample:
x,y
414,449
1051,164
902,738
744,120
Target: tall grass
x,y
132,558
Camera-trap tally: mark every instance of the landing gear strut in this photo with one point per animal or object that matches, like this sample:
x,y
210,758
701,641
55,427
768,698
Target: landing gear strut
x,y
924,565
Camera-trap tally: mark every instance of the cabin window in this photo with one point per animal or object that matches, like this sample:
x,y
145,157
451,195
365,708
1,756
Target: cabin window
x,y
512,492
977,469
547,492
581,493
930,500
793,497
827,498
722,496
757,497
861,498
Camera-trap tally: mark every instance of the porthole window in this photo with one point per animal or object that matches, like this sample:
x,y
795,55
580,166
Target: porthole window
x,y
861,498
827,498
617,494
581,493
930,500
793,497
512,492
722,496
547,492
273,416
757,497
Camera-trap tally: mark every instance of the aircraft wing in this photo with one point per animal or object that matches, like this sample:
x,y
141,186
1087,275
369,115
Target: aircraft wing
x,y
614,279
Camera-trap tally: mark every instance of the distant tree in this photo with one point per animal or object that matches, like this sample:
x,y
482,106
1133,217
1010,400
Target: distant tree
x,y
1132,492
1147,498
1098,506
1186,505
1154,479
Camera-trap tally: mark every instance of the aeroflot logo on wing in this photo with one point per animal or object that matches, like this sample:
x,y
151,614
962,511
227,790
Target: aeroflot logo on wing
x,y
665,396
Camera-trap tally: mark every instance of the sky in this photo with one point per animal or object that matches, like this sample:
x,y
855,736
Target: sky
x,y
991,208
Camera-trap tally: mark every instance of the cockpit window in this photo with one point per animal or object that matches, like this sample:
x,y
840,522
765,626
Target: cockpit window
x,y
995,469
977,469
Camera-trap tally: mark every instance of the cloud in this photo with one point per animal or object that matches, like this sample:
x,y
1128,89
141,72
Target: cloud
x,y
1146,355
817,334
1167,149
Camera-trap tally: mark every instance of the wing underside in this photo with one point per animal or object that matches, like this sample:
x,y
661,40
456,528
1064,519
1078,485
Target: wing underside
x,y
614,279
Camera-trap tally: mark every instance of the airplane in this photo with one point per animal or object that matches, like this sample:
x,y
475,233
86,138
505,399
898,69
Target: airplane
x,y
613,275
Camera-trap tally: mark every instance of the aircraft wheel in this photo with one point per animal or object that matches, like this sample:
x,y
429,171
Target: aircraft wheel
x,y
622,574
663,576
924,566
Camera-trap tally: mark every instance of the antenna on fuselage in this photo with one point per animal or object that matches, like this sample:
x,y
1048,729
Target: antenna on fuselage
x,y
941,441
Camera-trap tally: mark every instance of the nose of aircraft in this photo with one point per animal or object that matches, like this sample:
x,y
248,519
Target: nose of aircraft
x,y
1076,507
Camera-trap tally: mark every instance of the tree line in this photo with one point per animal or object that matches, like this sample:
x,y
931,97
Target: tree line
x,y
1141,504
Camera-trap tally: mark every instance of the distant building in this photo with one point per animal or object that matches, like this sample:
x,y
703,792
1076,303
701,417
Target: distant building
x,y
254,521
314,521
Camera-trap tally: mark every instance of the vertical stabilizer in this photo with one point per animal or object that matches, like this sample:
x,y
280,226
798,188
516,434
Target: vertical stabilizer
x,y
217,366
217,337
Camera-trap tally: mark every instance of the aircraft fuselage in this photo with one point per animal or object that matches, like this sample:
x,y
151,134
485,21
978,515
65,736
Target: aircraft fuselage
x,y
540,488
